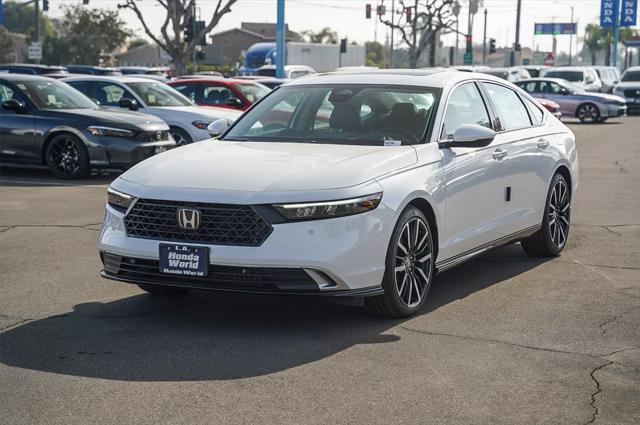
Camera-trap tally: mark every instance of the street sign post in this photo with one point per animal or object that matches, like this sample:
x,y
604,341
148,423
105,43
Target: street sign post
x,y
34,51
468,58
549,60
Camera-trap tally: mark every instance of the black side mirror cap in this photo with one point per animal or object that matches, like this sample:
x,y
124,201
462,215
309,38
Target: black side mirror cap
x,y
125,102
235,102
14,105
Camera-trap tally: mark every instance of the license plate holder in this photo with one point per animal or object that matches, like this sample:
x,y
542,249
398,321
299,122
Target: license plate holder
x,y
184,260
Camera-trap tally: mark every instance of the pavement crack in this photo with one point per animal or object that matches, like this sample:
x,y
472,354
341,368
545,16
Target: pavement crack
x,y
602,326
598,390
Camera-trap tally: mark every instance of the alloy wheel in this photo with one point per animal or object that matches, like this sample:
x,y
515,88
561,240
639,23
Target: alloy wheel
x,y
413,258
558,213
179,138
65,156
588,113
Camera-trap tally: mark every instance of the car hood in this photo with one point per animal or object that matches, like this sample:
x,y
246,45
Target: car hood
x,y
192,113
601,96
259,167
114,118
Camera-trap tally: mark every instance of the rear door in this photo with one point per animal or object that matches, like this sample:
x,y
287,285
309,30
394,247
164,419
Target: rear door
x,y
17,129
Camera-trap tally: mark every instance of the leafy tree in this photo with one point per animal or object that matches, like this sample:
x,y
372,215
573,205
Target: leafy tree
x,y
85,34
593,41
20,19
178,16
324,36
6,45
376,54
419,23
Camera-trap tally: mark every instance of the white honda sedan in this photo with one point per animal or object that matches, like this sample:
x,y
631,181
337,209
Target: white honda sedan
x,y
347,185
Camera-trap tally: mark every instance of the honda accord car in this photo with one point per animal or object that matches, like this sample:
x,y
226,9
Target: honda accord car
x,y
44,122
346,185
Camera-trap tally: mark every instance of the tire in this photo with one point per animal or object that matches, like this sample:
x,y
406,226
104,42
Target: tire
x,y
409,267
180,136
588,113
552,237
67,157
162,290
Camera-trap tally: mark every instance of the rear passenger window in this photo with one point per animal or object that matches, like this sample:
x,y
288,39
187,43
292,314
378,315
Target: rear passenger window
x,y
535,112
509,108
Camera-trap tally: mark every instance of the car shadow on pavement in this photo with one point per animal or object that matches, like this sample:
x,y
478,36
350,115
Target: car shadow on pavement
x,y
222,337
10,176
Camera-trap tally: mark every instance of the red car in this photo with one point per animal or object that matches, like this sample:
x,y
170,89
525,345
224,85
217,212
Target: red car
x,y
551,106
221,92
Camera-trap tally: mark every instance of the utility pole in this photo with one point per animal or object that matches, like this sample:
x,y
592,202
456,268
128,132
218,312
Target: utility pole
x,y
37,23
571,40
484,40
616,37
393,14
194,56
280,53
517,44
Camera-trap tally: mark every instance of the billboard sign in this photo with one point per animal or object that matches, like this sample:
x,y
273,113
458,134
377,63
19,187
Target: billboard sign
x,y
609,13
554,28
629,13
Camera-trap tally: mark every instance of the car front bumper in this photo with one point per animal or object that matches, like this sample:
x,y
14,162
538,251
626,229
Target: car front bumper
x,y
614,110
339,256
122,153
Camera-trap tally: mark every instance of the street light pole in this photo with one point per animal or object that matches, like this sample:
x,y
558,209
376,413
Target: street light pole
x,y
393,13
571,41
516,46
484,40
280,53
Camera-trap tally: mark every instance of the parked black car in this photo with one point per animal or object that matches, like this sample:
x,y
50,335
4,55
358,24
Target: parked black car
x,y
93,70
31,68
45,122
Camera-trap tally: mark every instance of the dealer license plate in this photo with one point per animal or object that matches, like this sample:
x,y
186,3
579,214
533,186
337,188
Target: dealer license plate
x,y
184,260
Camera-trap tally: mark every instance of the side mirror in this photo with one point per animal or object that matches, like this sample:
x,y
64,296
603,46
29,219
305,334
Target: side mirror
x,y
126,102
564,91
469,136
218,127
14,105
235,102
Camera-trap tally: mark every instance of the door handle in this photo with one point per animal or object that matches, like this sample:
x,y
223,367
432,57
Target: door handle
x,y
499,153
543,143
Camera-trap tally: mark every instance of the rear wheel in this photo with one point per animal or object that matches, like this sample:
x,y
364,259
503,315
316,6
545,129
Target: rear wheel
x,y
180,136
67,157
408,269
162,290
588,113
550,240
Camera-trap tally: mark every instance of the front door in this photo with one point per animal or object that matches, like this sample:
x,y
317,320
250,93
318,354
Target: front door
x,y
17,129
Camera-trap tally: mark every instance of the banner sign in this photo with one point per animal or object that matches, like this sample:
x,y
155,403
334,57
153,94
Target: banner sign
x,y
1,14
629,14
609,13
555,28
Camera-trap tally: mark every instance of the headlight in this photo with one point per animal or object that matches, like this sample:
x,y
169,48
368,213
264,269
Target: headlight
x,y
118,200
109,131
329,209
202,125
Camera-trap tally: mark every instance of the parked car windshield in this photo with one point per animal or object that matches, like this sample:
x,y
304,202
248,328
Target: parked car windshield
x,y
631,76
340,114
159,94
253,92
566,75
54,95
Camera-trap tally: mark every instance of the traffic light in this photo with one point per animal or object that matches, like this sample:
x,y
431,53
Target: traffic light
x,y
469,45
343,45
492,45
407,11
367,9
188,32
517,47
45,5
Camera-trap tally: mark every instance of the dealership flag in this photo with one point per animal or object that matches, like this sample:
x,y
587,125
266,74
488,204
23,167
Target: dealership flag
x,y
609,10
629,13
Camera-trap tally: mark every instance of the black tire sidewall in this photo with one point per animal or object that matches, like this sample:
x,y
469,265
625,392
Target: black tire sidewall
x,y
548,241
84,168
182,133
594,119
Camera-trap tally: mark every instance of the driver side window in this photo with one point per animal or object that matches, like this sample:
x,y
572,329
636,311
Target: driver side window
x,y
465,107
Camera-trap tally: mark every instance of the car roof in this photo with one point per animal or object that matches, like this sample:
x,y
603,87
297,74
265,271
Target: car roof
x,y
23,77
31,65
214,79
112,78
390,77
632,68
569,68
535,79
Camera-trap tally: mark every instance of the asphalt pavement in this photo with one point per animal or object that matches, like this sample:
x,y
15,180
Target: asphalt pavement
x,y
503,339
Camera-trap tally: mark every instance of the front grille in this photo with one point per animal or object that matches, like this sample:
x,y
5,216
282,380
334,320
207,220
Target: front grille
x,y
632,93
220,224
259,279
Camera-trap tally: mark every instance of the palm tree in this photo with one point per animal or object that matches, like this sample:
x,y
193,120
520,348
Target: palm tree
x,y
593,40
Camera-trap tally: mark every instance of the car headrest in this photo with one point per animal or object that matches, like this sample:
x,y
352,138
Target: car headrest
x,y
344,118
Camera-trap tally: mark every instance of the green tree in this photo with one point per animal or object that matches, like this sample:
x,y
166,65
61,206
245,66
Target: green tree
x,y
20,19
85,35
376,54
6,45
593,41
325,36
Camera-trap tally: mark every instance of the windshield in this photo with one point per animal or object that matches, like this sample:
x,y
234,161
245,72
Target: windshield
x,y
159,94
631,76
566,75
253,92
339,114
54,95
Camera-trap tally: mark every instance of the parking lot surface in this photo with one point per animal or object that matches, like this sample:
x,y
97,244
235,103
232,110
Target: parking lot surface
x,y
502,339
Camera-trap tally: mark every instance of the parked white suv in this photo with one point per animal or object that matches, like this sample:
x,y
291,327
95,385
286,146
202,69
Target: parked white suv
x,y
584,77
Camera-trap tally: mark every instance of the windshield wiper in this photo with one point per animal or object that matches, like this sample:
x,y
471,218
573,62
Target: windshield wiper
x,y
235,140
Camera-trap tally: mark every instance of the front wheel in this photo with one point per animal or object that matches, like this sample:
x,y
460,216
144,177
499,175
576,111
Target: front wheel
x,y
588,113
409,268
180,136
67,157
550,240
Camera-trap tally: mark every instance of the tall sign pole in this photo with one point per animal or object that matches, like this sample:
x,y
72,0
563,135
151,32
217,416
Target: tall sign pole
x,y
571,41
484,40
393,14
280,46
616,36
516,47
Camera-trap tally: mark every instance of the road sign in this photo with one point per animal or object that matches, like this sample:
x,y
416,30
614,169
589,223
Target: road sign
x,y
468,59
35,51
554,28
609,13
549,60
629,13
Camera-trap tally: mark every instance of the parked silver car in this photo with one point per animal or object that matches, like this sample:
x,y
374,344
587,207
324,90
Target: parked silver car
x,y
574,101
629,88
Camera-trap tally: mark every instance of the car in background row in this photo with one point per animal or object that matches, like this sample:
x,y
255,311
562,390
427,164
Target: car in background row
x,y
188,122
574,101
290,71
550,106
44,122
582,76
31,68
511,74
609,76
93,70
629,89
159,74
272,83
222,92
535,71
